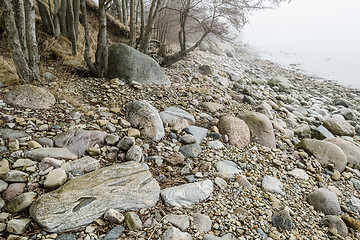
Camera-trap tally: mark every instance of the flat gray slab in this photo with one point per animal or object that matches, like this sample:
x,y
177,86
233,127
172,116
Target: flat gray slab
x,y
58,153
82,200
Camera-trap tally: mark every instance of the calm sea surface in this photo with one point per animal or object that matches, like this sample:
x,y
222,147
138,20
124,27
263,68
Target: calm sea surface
x,y
320,37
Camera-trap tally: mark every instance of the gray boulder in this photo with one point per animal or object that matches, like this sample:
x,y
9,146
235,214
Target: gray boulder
x,y
85,198
325,152
187,195
235,129
281,82
174,115
199,133
146,118
174,233
29,96
6,133
351,151
335,222
261,127
339,126
324,200
128,63
79,140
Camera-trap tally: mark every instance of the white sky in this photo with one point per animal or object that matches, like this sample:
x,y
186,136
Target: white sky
x,y
308,25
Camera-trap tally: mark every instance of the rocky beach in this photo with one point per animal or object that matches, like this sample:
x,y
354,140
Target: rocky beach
x,y
234,148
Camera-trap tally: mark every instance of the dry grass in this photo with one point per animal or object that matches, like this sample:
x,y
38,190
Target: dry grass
x,y
8,74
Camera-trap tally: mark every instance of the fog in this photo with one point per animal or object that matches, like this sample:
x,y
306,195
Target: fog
x,y
311,32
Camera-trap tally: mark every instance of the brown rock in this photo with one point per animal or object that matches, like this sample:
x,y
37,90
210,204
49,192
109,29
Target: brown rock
x,y
351,222
175,159
236,130
14,190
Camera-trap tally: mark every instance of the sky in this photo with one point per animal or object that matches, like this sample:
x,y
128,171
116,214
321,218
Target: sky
x,y
322,35
321,25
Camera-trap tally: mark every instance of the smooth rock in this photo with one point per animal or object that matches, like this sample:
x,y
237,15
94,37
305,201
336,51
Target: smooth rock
x,y
114,216
66,237
174,233
3,186
55,178
187,139
321,133
145,117
4,167
356,183
134,154
21,202
133,221
16,176
85,198
45,142
339,127
85,165
212,106
351,151
29,96
131,65
199,133
202,223
13,190
49,162
221,183
351,222
23,163
335,222
174,115
112,139
324,201
243,182
354,204
79,140
126,143
272,184
325,152
299,173
215,145
6,133
281,82
191,150
179,221
227,168
187,195
261,128
58,153
114,234
18,226
235,129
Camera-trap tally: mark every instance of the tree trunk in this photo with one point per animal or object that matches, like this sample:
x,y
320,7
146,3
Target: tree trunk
x,y
76,7
124,12
145,41
47,22
87,57
34,58
21,64
101,55
169,60
62,17
118,10
142,19
19,12
132,40
57,30
70,22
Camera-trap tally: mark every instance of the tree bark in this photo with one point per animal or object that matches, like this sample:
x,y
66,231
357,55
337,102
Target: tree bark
x,y
62,17
145,41
118,10
47,22
34,58
87,57
101,55
70,22
132,40
57,30
21,64
19,12
124,12
76,7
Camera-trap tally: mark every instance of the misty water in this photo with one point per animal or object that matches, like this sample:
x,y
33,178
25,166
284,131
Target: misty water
x,y
320,37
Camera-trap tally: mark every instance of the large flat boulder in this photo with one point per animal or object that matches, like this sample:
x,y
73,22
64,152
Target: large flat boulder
x,y
29,96
83,199
146,118
79,140
131,65
339,126
6,133
325,152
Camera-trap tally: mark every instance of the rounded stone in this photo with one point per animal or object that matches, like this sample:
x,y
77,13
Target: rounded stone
x,y
55,178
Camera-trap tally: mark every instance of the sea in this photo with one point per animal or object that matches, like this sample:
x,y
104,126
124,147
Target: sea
x,y
318,37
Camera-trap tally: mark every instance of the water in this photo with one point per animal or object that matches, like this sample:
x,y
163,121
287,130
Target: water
x,y
321,37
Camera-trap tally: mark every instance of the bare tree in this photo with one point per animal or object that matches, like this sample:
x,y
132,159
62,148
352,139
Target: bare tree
x,y
132,40
99,67
26,58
